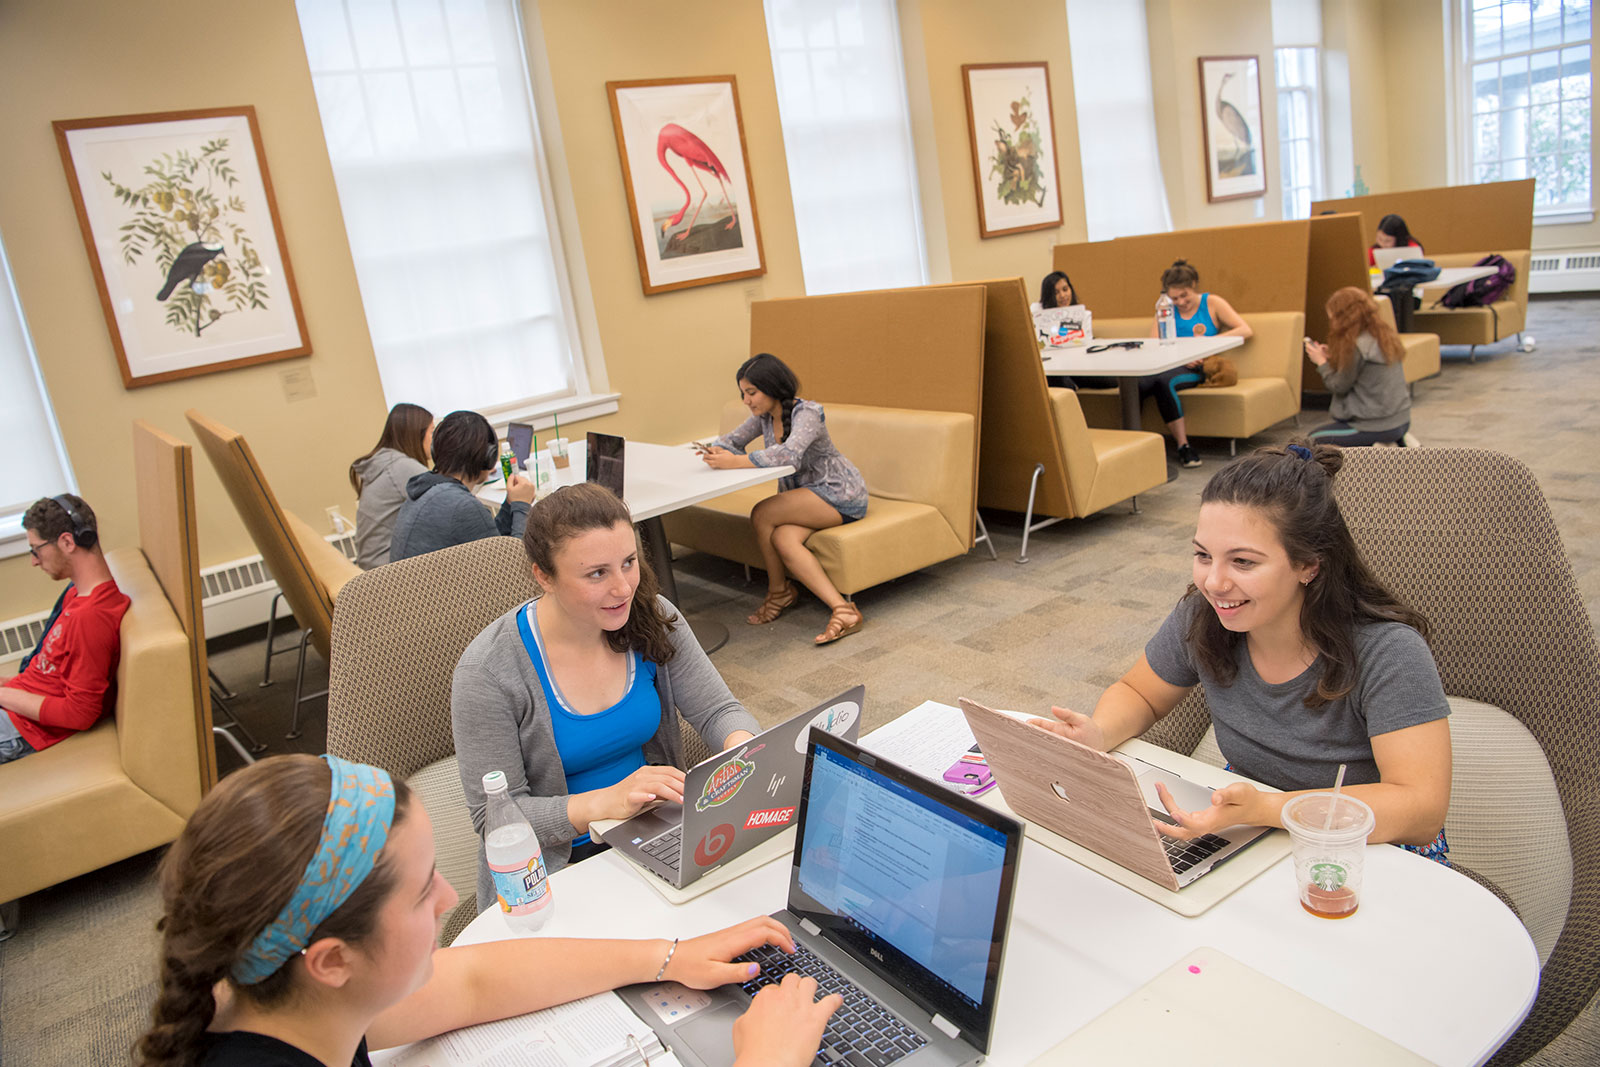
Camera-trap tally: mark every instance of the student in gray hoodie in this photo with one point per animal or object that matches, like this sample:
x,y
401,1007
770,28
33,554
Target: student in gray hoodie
x,y
1361,367
441,507
380,477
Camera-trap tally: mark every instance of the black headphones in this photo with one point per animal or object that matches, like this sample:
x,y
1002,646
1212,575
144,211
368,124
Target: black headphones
x,y
82,533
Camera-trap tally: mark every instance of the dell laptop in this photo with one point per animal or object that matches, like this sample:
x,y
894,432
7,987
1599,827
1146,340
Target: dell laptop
x,y
900,896
733,801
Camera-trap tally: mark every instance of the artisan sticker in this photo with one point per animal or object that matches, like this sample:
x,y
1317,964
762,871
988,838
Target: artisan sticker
x,y
835,720
714,845
769,817
725,782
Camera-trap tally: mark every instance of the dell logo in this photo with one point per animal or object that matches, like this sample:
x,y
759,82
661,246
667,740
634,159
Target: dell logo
x,y
875,954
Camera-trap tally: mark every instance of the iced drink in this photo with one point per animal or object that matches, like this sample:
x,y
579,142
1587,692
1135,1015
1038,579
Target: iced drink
x,y
1328,854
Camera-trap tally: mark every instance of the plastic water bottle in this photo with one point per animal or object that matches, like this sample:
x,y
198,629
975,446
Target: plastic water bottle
x,y
1166,320
515,860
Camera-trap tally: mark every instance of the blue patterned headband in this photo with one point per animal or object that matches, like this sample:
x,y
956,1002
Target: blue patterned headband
x,y
360,810
1300,451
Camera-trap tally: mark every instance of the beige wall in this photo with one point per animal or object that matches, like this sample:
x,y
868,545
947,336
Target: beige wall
x,y
1180,33
1417,78
1353,40
67,59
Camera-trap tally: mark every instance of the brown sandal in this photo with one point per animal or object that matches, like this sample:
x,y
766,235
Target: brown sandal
x,y
774,605
840,627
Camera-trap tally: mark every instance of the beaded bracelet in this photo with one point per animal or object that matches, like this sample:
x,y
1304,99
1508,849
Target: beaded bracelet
x,y
662,972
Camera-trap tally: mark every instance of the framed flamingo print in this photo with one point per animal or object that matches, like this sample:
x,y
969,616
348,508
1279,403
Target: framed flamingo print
x,y
1230,120
684,165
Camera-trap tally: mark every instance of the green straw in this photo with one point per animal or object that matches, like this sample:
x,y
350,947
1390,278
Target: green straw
x,y
557,419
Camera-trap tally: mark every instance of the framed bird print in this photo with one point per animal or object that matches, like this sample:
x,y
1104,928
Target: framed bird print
x,y
182,233
1011,129
1230,121
687,174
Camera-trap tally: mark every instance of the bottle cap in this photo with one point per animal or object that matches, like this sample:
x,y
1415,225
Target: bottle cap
x,y
494,782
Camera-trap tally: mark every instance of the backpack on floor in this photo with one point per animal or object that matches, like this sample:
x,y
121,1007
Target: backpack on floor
x,y
1482,292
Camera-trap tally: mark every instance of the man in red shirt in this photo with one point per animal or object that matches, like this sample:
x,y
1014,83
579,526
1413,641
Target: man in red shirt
x,y
69,682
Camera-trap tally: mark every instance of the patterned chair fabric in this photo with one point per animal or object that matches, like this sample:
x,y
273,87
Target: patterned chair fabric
x,y
1465,536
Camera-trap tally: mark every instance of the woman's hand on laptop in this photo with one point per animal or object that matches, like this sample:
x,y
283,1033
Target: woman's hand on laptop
x,y
620,801
702,962
784,1024
1232,805
1074,726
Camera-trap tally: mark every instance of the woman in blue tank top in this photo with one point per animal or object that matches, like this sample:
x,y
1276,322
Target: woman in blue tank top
x,y
1198,315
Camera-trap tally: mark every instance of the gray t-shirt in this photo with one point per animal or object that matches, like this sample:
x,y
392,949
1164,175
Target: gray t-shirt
x,y
1267,732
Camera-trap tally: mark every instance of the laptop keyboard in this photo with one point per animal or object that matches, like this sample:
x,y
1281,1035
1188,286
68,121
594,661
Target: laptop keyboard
x,y
862,1033
1185,854
666,848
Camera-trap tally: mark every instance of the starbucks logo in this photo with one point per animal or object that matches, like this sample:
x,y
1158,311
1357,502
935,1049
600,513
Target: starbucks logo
x,y
1327,876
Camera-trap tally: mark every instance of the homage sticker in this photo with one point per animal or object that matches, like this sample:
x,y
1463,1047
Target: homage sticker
x,y
834,720
714,845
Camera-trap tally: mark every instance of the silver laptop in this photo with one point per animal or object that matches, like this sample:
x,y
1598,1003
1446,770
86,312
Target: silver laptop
x,y
1384,258
733,801
1104,801
900,896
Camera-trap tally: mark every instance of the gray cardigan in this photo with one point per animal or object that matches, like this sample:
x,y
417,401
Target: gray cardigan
x,y
384,475
1369,394
502,723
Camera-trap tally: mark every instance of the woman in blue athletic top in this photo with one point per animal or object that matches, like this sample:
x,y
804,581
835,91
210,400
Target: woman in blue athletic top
x,y
1198,315
576,695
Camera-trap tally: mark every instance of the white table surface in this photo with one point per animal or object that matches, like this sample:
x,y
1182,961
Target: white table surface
x,y
1151,357
1431,960
657,479
1448,278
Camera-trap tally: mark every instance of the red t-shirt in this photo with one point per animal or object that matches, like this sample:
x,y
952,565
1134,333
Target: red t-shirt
x,y
75,670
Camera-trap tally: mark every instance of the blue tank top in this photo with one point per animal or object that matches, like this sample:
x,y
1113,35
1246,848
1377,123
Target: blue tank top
x,y
1202,324
602,749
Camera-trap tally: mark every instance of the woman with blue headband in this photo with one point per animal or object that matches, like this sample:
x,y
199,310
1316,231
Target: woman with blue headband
x,y
302,911
1305,659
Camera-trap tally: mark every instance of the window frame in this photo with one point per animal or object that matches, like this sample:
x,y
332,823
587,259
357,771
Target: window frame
x,y
1314,94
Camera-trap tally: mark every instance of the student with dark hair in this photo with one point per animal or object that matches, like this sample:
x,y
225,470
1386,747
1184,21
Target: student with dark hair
x,y
379,479
1306,661
441,507
825,489
576,695
1056,291
1361,366
301,911
69,680
1392,233
1198,315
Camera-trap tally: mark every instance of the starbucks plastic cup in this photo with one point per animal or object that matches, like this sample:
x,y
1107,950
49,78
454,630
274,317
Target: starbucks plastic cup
x,y
1328,854
558,453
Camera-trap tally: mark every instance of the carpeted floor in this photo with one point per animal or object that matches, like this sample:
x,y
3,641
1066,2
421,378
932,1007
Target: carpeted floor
x,y
77,980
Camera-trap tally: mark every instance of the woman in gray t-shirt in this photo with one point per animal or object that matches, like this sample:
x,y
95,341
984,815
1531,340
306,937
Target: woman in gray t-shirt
x,y
1306,660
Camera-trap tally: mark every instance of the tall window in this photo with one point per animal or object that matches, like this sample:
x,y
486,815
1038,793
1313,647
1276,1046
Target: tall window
x,y
1299,130
429,123
36,464
847,132
1530,91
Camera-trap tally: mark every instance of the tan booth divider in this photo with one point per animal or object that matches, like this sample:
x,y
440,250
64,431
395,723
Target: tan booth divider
x,y
1336,257
1494,217
917,349
163,469
1256,267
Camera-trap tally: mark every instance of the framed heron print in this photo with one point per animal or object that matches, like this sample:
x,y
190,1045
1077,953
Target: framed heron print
x,y
1230,121
687,175
183,238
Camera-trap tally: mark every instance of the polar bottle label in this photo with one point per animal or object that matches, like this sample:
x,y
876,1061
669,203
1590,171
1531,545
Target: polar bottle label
x,y
522,889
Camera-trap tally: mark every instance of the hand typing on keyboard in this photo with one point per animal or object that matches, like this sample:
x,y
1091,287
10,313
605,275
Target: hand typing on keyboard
x,y
784,1025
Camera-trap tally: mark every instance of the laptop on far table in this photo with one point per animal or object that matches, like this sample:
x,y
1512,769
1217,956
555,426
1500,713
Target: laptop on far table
x,y
900,896
604,457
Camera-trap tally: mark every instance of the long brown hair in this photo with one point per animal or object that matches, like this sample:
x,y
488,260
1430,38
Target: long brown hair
x,y
577,509
231,871
1295,494
405,430
1351,313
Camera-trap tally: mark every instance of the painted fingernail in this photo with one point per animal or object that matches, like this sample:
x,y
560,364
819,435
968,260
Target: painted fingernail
x,y
753,970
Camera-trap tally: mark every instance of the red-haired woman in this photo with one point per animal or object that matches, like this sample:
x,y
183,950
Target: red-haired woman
x,y
1360,365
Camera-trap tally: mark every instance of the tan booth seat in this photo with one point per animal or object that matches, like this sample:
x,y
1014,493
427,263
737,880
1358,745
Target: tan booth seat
x,y
1481,325
918,467
1268,391
128,783
1422,349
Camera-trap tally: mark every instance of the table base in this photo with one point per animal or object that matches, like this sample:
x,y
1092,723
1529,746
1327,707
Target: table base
x,y
711,634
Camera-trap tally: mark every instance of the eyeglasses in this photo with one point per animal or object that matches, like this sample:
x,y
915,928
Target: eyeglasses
x,y
33,550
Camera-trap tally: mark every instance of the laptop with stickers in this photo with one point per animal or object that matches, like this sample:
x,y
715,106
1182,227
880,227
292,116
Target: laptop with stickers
x,y
734,801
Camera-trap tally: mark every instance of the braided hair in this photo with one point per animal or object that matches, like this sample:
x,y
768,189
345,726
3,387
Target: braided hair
x,y
773,377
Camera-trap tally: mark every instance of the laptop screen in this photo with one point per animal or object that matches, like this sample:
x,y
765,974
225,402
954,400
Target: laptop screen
x,y
912,879
605,461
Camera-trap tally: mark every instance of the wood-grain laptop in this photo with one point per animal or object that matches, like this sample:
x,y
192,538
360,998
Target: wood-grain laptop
x,y
1099,801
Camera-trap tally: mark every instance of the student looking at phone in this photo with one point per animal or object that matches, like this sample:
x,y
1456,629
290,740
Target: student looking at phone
x,y
1361,366
825,489
403,451
441,507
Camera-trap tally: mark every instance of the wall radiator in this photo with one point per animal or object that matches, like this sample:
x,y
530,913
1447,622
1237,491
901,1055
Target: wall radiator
x,y
1564,272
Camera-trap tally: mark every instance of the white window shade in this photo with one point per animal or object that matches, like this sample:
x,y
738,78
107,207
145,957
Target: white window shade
x,y
847,134
429,124
36,464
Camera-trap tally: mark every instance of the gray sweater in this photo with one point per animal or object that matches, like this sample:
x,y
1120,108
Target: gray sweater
x,y
440,512
1369,394
502,723
383,489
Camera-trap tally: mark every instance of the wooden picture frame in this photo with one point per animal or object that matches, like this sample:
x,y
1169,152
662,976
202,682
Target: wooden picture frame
x,y
182,232
1017,183
1235,155
697,121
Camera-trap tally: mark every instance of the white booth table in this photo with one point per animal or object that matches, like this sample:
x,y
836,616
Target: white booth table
x,y
1431,961
1449,278
1128,365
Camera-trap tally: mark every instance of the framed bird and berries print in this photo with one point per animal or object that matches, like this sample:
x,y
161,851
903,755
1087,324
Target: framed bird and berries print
x,y
183,238
1012,131
1230,121
684,165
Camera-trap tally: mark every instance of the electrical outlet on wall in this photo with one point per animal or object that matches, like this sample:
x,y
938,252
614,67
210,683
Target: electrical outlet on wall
x,y
336,520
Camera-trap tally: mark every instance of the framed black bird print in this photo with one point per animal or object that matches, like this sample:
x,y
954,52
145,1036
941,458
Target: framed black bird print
x,y
183,237
1230,118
